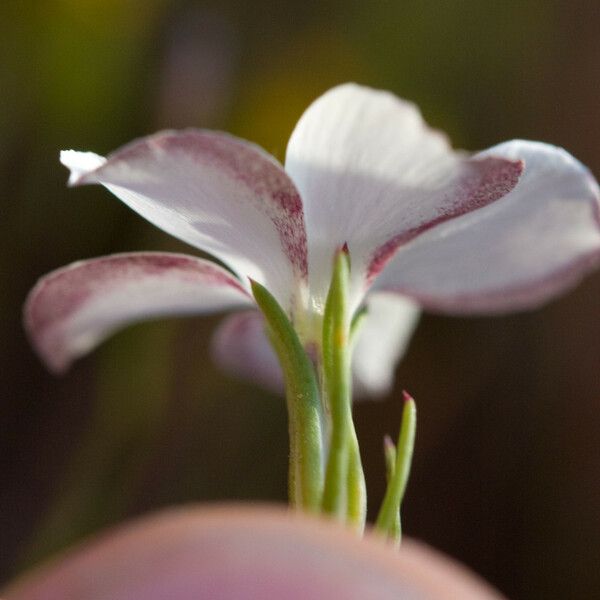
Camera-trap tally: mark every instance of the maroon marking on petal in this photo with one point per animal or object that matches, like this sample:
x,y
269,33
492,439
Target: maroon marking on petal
x,y
484,181
74,284
245,162
288,228
381,257
406,396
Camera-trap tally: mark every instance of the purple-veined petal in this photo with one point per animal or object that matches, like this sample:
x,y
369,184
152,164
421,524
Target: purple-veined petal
x,y
381,342
216,192
373,175
537,241
71,310
250,553
241,347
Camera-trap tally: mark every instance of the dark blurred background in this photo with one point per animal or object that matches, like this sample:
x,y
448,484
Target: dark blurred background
x,y
508,452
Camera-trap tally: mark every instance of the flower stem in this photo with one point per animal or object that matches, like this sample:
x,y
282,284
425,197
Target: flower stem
x,y
388,520
304,408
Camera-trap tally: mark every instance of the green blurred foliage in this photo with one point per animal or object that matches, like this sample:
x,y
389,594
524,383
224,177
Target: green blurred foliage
x,y
506,465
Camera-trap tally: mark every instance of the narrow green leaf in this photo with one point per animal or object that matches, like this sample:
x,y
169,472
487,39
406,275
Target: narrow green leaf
x,y
344,493
356,491
388,520
389,451
304,407
336,370
357,321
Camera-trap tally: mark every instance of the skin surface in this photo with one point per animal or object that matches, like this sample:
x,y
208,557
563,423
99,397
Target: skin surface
x,y
246,552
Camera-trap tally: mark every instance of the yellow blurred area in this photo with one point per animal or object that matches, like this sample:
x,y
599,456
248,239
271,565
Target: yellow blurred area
x,y
272,99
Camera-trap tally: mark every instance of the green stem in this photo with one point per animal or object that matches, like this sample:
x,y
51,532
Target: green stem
x,y
388,520
304,408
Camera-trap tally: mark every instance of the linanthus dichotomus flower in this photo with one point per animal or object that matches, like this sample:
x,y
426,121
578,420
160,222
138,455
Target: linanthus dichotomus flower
x,y
425,226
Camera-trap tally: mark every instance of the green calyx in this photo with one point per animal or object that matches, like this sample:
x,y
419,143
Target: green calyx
x,y
304,406
344,494
398,461
319,400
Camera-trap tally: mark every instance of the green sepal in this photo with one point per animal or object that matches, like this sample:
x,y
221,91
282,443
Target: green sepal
x,y
388,520
344,493
357,321
304,406
389,452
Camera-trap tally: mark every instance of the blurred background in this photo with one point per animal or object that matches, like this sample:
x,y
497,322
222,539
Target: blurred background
x,y
508,452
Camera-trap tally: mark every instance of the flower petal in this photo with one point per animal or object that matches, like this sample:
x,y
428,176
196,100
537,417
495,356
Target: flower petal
x,y
223,553
71,310
80,163
537,241
373,175
382,342
240,346
215,192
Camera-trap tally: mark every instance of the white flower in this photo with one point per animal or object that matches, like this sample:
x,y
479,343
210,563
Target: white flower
x,y
504,229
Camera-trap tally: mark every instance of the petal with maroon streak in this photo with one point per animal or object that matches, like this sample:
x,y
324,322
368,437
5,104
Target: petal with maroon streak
x,y
537,241
372,173
216,192
71,310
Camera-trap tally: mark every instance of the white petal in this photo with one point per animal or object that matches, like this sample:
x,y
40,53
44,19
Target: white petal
x,y
218,193
372,174
80,163
537,241
382,342
240,347
71,310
